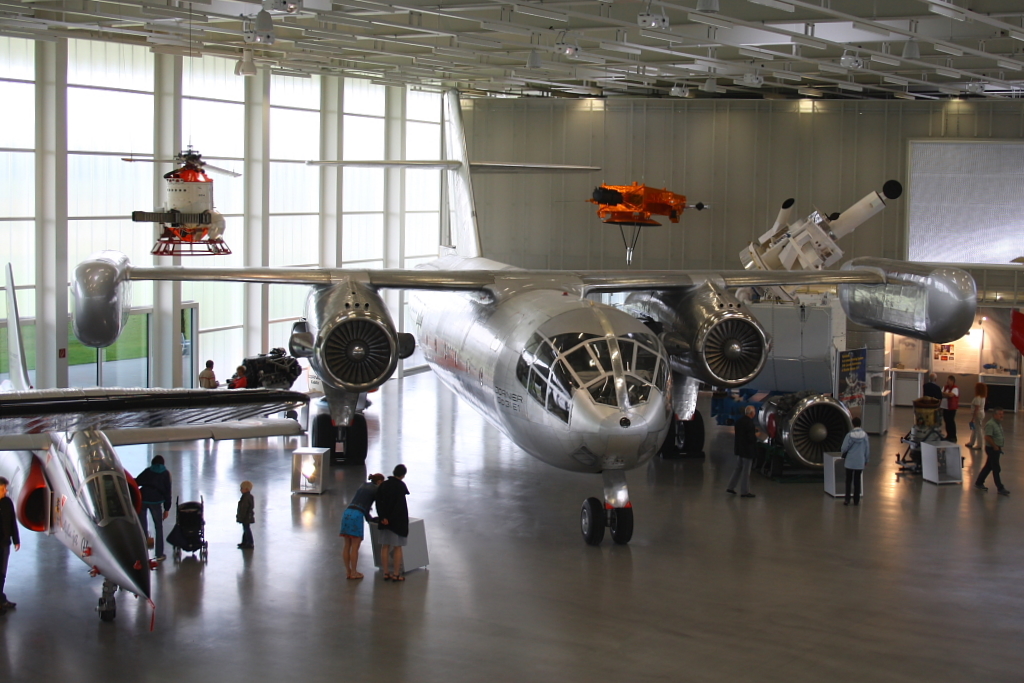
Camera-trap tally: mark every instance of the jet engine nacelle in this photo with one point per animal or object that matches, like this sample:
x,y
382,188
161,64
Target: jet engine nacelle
x,y
349,339
806,425
707,332
102,294
931,302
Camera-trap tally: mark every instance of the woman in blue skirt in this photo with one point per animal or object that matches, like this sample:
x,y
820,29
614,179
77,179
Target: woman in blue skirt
x,y
352,523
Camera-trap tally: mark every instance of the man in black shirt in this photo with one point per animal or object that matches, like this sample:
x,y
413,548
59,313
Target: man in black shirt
x,y
8,535
931,389
393,512
745,448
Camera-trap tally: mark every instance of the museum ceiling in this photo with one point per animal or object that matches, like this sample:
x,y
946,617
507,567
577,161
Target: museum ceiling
x,y
851,49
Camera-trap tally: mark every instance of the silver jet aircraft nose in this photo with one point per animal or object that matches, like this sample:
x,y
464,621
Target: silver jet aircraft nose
x,y
124,543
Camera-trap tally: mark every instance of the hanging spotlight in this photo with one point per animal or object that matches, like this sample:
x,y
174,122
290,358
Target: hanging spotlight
x,y
707,6
286,6
679,91
710,85
911,49
245,65
851,61
259,29
533,60
567,49
647,19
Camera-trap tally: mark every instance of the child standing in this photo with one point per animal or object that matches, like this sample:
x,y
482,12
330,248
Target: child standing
x,y
246,514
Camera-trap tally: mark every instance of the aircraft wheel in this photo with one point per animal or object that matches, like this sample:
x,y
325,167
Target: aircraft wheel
x,y
108,612
356,441
322,432
622,525
693,434
592,521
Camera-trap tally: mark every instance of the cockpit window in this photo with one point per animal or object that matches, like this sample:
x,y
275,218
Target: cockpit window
x,y
105,497
552,370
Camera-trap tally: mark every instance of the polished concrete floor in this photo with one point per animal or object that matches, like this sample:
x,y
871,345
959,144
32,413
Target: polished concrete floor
x,y
918,583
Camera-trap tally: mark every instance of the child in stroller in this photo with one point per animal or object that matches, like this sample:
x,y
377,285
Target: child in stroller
x,y
188,533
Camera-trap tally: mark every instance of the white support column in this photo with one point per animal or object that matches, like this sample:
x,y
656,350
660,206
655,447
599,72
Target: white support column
x,y
394,198
51,214
331,135
256,175
165,345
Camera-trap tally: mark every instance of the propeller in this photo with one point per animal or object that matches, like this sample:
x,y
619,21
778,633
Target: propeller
x,y
188,156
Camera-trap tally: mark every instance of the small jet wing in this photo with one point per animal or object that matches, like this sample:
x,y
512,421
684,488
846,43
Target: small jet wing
x,y
73,410
15,342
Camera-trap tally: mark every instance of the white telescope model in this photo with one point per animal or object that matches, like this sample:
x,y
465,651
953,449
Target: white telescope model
x,y
810,243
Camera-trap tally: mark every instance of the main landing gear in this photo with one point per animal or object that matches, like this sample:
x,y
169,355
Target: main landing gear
x,y
615,512
107,606
348,443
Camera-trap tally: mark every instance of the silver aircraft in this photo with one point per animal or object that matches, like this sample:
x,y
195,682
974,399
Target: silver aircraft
x,y
65,477
581,385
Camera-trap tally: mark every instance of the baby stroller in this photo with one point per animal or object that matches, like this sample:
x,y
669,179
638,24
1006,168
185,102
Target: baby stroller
x,y
188,532
927,418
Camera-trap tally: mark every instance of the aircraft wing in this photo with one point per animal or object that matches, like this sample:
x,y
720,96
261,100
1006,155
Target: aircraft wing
x,y
72,410
477,280
475,166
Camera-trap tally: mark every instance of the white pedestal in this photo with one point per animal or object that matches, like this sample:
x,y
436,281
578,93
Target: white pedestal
x,y
941,463
835,475
414,554
906,386
309,469
875,413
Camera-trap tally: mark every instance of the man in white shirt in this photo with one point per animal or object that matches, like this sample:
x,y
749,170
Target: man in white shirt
x,y
208,380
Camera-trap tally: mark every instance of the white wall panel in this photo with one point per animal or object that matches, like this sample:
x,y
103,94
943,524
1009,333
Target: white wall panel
x,y
743,157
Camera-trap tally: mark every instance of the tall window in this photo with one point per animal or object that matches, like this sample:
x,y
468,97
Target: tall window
x,y
17,185
213,122
294,193
362,203
110,116
421,223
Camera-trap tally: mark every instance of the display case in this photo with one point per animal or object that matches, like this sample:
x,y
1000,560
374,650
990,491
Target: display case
x,y
309,470
906,386
835,475
875,415
941,463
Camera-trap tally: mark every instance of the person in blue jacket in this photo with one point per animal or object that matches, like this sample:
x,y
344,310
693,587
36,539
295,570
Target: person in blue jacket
x,y
856,453
155,486
352,523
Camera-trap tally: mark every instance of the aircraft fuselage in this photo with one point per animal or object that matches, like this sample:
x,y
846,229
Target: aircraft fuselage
x,y
577,384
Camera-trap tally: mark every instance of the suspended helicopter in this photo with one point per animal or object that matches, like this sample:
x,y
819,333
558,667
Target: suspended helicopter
x,y
190,225
633,205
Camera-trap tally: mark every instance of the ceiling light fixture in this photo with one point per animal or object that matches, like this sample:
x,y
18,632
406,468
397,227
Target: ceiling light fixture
x,y
871,29
944,8
1016,35
647,19
245,65
710,85
787,76
259,29
711,6
619,47
912,49
533,60
949,50
752,80
885,59
1010,66
567,49
846,85
948,73
851,61
711,21
506,27
679,91
828,67
810,92
481,42
756,54
286,6
895,80
808,42
774,4
538,12
903,95
975,88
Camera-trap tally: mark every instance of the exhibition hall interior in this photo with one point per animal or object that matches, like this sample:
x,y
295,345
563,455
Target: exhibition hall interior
x,y
685,336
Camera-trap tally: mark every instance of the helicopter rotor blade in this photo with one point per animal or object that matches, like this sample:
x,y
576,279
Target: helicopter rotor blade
x,y
223,171
149,160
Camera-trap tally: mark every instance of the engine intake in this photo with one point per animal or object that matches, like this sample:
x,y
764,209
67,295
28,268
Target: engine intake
x,y
707,333
355,346
806,425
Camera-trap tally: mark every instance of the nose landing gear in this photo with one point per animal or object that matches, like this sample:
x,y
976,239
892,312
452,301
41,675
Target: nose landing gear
x,y
616,512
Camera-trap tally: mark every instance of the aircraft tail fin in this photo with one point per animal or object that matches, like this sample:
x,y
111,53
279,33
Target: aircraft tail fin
x,y
15,342
461,206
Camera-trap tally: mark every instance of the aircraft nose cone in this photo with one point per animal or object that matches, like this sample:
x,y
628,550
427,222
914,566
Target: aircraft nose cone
x,y
818,432
126,544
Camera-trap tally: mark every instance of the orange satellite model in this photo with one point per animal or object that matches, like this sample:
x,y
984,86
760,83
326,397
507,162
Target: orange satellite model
x,y
633,205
